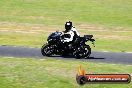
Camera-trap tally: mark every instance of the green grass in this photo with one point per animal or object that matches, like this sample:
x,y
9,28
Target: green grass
x,y
37,40
29,40
48,72
19,18
48,16
113,45
51,12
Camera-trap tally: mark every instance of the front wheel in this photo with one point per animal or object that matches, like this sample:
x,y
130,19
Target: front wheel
x,y
82,52
47,50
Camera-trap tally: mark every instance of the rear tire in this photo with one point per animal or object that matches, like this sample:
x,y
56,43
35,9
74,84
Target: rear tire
x,y
46,50
88,51
82,52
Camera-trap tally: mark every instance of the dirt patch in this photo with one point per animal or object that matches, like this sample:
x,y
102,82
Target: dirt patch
x,y
84,26
26,28
89,26
29,31
113,37
99,32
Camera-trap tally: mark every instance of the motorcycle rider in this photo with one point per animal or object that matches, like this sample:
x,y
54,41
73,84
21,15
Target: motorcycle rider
x,y
70,33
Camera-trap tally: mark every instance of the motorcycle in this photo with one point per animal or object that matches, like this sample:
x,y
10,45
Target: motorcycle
x,y
78,48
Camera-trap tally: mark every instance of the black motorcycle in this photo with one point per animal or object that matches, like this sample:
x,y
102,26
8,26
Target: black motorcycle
x,y
77,48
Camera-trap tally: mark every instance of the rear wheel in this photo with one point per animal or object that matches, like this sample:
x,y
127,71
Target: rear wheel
x,y
87,51
47,50
82,52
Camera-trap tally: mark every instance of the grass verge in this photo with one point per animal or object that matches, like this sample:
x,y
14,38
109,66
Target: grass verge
x,y
49,73
28,22
37,40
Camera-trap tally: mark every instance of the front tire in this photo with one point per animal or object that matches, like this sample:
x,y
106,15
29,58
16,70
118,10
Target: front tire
x,y
46,50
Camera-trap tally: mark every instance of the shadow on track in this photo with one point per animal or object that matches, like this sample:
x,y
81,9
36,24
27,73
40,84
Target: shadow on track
x,y
94,58
59,56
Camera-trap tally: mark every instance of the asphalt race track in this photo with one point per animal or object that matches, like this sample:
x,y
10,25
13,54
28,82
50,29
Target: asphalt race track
x,y
107,57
